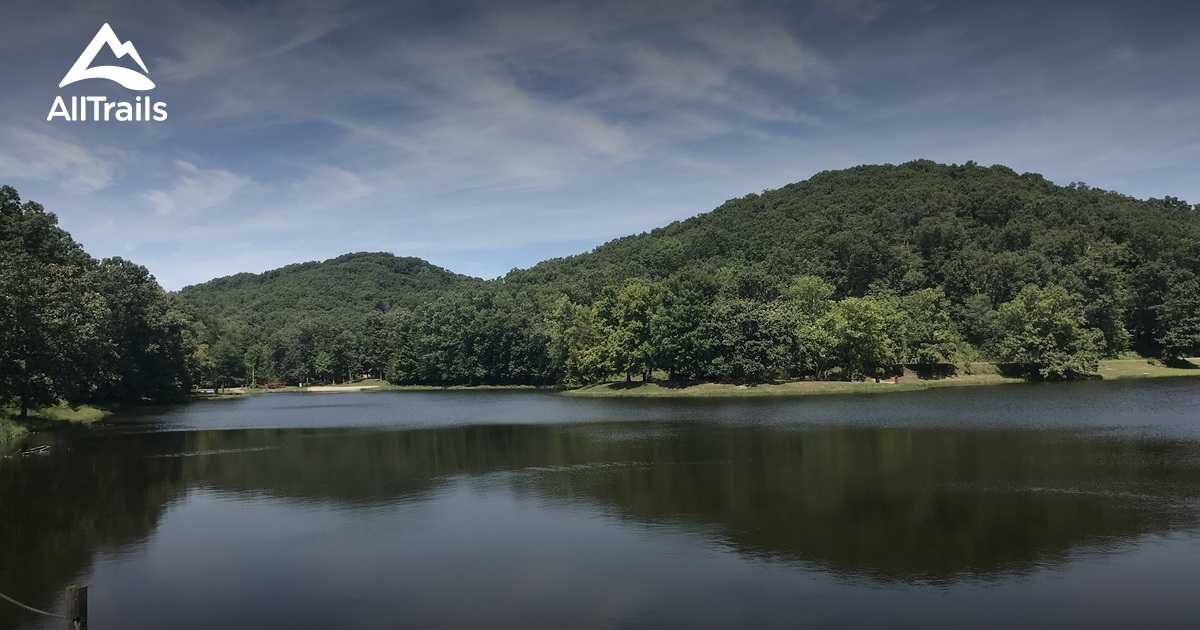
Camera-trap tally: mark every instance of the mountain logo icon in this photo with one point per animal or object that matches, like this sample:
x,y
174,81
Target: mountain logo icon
x,y
130,79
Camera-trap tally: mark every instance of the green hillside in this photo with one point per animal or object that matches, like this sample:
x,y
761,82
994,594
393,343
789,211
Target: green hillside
x,y
967,228
848,274
351,286
851,274
307,320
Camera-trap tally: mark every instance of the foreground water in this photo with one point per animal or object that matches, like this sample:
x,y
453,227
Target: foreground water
x,y
1016,506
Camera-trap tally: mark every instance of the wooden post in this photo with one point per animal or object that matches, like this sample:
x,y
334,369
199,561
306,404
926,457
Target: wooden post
x,y
77,607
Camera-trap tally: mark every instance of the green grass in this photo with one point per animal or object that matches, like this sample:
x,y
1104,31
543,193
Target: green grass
x,y
1145,368
10,432
13,426
60,414
981,374
792,388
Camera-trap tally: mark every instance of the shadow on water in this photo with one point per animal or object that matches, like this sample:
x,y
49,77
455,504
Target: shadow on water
x,y
58,511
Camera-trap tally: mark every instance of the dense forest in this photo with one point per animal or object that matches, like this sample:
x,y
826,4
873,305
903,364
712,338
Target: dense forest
x,y
850,274
79,329
847,275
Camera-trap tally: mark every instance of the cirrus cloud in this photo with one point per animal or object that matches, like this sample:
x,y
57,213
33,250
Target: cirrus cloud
x,y
195,189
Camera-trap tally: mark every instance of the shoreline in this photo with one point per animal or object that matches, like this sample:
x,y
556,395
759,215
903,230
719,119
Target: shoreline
x,y
369,386
1110,370
13,430
986,375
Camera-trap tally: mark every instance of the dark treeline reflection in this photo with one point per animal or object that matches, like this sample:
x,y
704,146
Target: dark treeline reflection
x,y
886,504
881,504
58,511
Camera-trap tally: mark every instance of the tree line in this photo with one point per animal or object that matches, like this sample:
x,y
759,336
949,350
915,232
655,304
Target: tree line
x,y
727,324
851,274
692,326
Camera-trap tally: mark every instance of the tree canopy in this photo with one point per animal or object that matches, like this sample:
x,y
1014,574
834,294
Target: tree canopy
x,y
849,274
77,329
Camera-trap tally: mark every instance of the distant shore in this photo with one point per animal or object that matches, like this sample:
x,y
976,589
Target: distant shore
x,y
981,374
1113,369
372,385
63,416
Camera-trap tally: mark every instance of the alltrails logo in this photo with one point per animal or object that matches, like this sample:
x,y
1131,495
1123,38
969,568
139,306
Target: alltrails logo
x,y
99,107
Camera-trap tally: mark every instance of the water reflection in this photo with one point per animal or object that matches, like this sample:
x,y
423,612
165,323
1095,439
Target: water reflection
x,y
895,504
58,511
887,507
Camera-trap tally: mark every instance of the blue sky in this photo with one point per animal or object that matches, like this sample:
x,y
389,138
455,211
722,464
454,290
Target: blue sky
x,y
484,136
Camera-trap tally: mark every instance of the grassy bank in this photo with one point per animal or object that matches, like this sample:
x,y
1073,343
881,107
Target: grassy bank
x,y
978,374
13,426
10,432
1142,368
1115,369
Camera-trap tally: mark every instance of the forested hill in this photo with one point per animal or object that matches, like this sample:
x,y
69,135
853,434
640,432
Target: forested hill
x,y
967,228
344,288
848,274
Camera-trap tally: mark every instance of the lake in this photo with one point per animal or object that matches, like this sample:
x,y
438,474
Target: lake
x,y
1071,505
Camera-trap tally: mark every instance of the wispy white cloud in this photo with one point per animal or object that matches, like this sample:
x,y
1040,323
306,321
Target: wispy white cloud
x,y
41,156
195,189
863,10
527,94
482,134
205,47
324,184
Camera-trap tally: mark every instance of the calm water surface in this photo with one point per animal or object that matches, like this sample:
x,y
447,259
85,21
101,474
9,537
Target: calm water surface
x,y
1017,506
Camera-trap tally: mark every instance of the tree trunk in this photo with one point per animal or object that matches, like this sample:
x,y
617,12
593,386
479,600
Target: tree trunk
x,y
24,393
